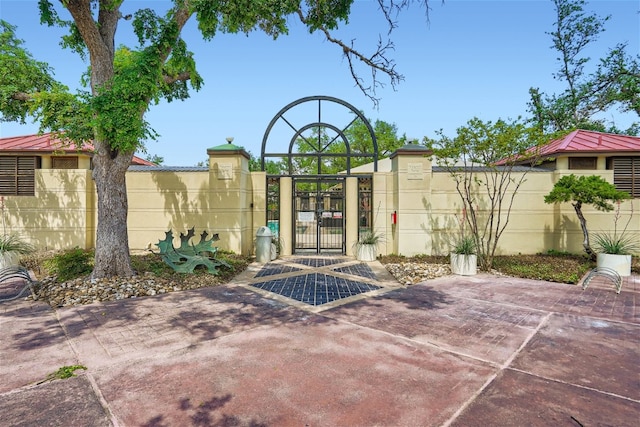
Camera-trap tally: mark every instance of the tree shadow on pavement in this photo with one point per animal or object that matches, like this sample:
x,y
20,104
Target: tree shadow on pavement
x,y
204,314
205,414
416,297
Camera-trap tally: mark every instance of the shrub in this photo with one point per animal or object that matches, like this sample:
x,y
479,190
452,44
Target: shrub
x,y
552,268
70,264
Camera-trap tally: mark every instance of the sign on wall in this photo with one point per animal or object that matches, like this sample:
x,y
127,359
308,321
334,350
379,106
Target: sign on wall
x,y
414,171
225,171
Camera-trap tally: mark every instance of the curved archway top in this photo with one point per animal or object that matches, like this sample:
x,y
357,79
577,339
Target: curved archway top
x,y
317,122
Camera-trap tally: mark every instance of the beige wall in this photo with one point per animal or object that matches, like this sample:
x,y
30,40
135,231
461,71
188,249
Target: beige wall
x,y
229,200
219,201
59,215
533,226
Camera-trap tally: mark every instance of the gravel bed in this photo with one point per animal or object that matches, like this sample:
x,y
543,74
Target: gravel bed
x,y
86,291
411,273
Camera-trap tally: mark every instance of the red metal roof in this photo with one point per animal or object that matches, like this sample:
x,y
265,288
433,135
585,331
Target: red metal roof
x,y
586,141
45,143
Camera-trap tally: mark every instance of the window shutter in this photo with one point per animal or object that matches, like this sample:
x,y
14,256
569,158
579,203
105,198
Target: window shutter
x,y
17,175
8,175
26,176
64,162
626,174
583,163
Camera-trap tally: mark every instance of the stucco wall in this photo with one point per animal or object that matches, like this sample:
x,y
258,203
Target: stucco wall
x,y
218,202
229,200
59,215
533,226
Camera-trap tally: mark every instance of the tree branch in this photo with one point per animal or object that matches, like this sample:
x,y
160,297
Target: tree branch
x,y
184,76
378,62
21,96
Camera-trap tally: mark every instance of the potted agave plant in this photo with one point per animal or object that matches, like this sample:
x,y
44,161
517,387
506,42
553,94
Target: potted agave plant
x,y
615,251
616,248
464,260
11,248
366,248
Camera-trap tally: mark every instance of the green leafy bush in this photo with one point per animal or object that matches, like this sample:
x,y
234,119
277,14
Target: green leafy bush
x,y
552,268
70,264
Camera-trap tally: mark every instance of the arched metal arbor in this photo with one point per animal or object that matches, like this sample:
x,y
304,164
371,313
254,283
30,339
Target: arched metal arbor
x,y
320,147
317,201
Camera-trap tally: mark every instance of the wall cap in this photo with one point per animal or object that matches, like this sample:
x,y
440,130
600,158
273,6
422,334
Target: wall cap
x,y
411,150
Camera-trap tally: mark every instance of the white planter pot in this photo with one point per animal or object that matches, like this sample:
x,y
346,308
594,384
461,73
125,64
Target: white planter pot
x,y
619,263
464,265
9,259
366,252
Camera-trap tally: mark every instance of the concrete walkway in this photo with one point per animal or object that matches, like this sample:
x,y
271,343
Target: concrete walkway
x,y
454,351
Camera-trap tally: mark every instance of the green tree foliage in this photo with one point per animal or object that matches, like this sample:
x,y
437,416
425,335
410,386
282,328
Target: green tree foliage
x,y
481,159
585,190
21,74
334,149
155,159
616,82
272,167
122,83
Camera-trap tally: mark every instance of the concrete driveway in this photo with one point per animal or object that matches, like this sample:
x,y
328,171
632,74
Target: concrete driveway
x,y
454,351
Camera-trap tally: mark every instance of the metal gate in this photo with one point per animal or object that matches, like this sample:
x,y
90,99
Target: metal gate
x,y
319,215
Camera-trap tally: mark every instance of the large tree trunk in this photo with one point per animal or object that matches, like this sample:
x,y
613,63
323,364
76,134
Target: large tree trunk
x,y
112,256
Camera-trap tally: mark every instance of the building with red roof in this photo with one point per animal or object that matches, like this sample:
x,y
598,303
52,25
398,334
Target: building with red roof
x,y
586,142
47,195
47,144
20,156
585,150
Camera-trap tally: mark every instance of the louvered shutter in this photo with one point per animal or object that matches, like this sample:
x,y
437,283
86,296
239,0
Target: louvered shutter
x,y
64,162
17,175
626,174
8,183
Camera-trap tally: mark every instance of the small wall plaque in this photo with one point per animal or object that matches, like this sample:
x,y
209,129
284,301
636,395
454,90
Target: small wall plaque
x,y
225,171
414,171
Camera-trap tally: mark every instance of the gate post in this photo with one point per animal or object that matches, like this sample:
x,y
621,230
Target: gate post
x,y
286,215
351,213
230,196
411,168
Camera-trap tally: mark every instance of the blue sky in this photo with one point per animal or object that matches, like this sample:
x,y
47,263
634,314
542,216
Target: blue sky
x,y
471,59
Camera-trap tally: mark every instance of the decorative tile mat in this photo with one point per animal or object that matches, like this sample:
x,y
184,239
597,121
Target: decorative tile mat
x,y
315,288
362,270
317,262
271,269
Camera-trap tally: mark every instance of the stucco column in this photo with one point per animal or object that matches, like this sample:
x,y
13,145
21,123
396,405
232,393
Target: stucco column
x,y
230,197
351,213
286,216
411,166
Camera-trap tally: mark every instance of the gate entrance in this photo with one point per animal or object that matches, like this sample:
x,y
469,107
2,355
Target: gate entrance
x,y
319,140
319,215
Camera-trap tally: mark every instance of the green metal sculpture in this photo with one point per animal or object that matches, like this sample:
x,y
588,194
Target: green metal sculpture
x,y
188,256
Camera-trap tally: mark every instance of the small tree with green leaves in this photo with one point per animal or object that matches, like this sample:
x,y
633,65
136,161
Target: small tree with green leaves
x,y
481,160
585,190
